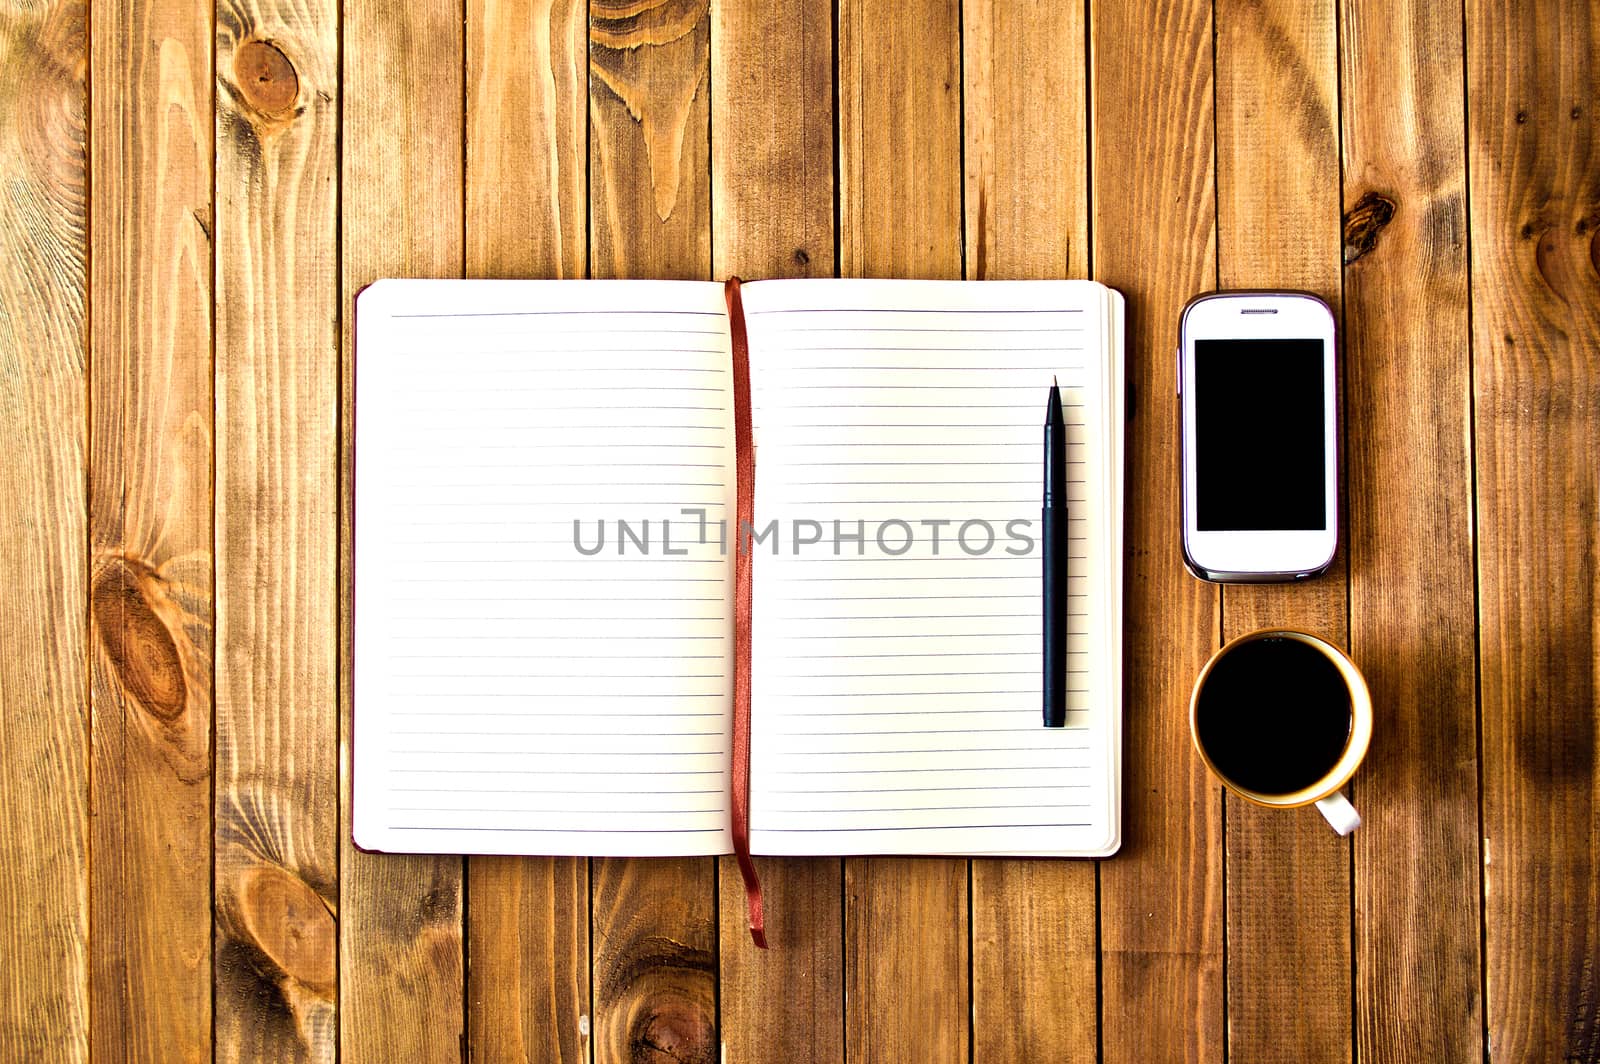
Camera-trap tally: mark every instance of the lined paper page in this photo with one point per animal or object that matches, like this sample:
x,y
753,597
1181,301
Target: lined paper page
x,y
897,684
513,695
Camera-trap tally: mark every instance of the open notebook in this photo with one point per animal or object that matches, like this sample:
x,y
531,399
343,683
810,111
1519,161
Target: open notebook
x,y
543,589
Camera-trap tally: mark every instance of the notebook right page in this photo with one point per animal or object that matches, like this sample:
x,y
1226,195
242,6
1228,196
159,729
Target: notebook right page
x,y
897,617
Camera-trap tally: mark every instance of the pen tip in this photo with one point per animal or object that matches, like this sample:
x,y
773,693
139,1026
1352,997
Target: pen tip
x,y
1053,382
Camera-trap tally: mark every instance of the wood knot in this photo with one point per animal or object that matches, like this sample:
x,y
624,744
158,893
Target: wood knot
x,y
438,905
291,926
668,996
670,1036
141,649
1363,224
265,77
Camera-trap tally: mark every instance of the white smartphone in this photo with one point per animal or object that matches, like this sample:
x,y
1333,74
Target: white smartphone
x,y
1257,386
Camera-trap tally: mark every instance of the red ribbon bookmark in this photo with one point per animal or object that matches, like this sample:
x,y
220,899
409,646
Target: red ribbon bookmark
x,y
743,557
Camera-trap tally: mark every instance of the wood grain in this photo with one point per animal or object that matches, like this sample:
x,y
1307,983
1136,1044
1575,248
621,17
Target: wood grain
x,y
1409,478
528,959
1533,141
44,775
1154,240
1288,874
150,476
1034,960
649,167
527,919
772,147
1026,140
772,197
654,928
401,960
899,139
655,961
276,805
907,995
527,139
906,930
1034,924
784,1003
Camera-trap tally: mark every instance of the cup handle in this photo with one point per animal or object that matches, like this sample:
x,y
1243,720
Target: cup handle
x,y
1339,813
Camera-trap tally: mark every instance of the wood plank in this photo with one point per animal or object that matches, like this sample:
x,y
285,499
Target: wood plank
x,y
654,928
1288,875
1533,87
785,1003
1034,923
1154,240
1027,166
1409,475
527,919
899,89
649,162
527,959
772,196
44,775
772,139
276,804
400,941
906,959
527,139
899,139
150,475
655,962
1034,960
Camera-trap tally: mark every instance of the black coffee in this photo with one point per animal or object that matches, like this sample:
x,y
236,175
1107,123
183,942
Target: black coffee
x,y
1274,715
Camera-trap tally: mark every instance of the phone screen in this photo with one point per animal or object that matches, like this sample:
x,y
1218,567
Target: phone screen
x,y
1259,432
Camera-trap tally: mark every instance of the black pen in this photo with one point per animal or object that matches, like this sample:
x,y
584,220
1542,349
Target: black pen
x,y
1054,591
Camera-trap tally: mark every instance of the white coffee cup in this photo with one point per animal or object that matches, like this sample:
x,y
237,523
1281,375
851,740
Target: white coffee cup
x,y
1324,789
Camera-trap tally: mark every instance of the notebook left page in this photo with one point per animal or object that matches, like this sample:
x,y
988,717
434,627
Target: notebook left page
x,y
542,635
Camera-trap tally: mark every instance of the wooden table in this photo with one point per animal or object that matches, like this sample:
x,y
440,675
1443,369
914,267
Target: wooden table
x,y
189,199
